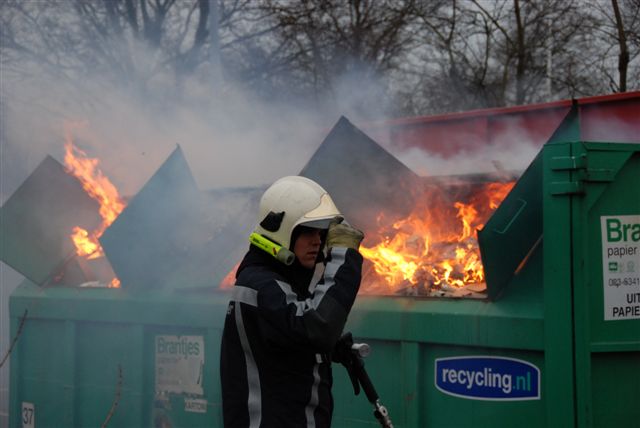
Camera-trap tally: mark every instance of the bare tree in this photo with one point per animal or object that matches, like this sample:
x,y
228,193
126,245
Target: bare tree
x,y
529,32
499,53
316,44
128,41
453,67
623,56
406,57
616,32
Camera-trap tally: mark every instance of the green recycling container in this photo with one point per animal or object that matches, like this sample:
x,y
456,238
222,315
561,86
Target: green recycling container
x,y
555,343
86,357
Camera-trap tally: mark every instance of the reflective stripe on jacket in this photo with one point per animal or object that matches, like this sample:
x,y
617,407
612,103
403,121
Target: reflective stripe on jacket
x,y
275,366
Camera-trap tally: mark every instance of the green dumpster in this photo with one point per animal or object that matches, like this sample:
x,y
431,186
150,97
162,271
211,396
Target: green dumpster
x,y
144,354
555,342
87,357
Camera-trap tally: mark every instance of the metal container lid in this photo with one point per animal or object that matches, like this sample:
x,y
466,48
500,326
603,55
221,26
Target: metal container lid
x,y
173,236
362,177
36,222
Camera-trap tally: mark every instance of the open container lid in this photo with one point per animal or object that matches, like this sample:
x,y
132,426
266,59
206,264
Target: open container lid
x,y
37,221
362,178
514,231
173,236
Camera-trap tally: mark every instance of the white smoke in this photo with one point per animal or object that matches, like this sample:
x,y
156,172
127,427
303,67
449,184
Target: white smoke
x,y
487,158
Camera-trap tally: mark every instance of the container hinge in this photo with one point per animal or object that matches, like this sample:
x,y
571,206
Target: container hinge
x,y
576,186
568,163
599,175
580,173
567,188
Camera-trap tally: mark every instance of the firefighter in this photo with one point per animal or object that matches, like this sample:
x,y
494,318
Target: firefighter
x,y
293,292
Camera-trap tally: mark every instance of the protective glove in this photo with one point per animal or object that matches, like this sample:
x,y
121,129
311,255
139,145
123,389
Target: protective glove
x,y
342,350
343,235
343,354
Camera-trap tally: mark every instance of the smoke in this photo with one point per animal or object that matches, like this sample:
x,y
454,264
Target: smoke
x,y
231,139
610,125
463,146
229,135
492,158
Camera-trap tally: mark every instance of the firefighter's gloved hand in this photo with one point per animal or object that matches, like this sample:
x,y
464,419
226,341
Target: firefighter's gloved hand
x,y
343,354
342,351
343,235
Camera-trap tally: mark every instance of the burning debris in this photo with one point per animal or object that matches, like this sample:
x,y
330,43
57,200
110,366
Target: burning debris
x,y
68,226
420,233
100,188
433,251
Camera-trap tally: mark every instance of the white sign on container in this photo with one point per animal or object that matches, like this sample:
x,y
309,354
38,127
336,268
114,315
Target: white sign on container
x,y
179,364
28,415
621,266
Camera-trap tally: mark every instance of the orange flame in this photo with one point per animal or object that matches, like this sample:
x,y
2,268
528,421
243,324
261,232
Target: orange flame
x,y
99,187
86,245
230,278
428,247
497,192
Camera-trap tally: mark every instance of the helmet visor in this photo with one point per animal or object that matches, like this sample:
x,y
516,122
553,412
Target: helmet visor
x,y
322,223
321,216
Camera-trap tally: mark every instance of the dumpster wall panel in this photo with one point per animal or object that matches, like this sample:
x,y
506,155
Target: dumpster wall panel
x,y
616,380
608,353
385,369
443,410
108,357
618,198
43,377
70,368
416,331
404,376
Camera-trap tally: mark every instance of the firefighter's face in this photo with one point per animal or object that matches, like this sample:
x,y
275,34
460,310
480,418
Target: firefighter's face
x,y
307,246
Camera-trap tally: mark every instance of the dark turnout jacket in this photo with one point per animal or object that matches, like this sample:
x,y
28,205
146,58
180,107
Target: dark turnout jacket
x,y
275,363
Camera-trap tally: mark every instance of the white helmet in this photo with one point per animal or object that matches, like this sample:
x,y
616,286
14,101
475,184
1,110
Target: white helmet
x,y
292,201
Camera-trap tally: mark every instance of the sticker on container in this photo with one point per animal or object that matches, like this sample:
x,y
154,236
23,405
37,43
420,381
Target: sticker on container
x,y
179,364
482,377
621,266
195,405
28,415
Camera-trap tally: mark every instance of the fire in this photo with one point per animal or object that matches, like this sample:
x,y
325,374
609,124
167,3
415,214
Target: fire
x,y
497,192
435,245
85,244
100,188
230,278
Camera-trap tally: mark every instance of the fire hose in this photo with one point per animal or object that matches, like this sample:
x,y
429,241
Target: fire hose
x,y
352,355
